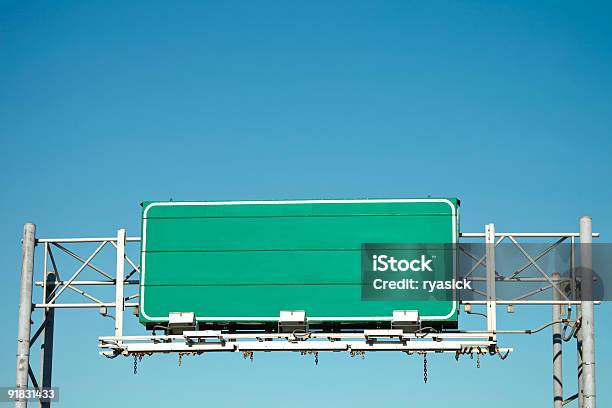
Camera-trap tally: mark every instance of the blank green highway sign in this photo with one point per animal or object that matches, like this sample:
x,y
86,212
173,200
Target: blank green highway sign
x,y
246,261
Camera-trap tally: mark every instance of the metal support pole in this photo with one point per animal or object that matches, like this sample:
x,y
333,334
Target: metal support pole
x,y
578,316
46,368
557,348
25,310
119,300
588,317
579,359
490,258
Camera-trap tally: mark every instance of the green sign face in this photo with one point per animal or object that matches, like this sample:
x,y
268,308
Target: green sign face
x,y
246,261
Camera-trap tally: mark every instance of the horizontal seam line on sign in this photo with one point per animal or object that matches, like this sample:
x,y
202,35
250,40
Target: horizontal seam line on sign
x,y
253,284
295,216
273,250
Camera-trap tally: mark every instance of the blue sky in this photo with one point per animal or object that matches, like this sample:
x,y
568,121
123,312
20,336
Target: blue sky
x,y
106,104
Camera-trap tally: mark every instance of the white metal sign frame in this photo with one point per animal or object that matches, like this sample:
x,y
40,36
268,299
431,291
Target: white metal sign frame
x,y
477,342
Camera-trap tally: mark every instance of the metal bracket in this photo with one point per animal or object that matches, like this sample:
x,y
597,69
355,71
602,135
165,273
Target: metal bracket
x,y
204,336
179,322
406,320
292,320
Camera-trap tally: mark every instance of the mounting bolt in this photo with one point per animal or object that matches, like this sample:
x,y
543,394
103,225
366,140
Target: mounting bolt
x,y
104,310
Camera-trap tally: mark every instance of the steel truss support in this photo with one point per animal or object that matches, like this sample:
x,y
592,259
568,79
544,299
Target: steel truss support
x,y
54,289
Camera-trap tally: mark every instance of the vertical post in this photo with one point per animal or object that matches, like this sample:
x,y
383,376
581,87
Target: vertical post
x,y
491,298
588,318
576,293
46,368
557,348
25,309
119,300
579,359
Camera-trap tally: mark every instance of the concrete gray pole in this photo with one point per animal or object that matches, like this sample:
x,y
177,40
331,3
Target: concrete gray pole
x,y
557,348
25,309
588,317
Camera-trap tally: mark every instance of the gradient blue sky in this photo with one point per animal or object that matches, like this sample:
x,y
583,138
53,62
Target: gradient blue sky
x,y
106,104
